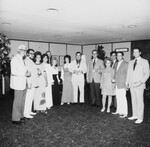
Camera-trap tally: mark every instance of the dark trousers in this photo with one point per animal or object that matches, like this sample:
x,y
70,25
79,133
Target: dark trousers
x,y
18,104
95,93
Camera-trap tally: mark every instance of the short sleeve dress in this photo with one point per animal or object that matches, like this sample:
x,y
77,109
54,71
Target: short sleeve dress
x,y
106,81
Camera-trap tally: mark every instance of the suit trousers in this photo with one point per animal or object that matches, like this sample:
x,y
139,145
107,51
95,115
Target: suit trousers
x,y
29,101
121,101
137,102
18,105
95,93
78,84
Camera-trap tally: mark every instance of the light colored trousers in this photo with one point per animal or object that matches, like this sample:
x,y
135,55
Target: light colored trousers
x,y
78,81
137,102
29,101
18,104
121,101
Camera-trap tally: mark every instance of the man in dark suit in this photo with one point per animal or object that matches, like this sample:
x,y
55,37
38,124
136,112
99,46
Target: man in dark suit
x,y
120,79
94,69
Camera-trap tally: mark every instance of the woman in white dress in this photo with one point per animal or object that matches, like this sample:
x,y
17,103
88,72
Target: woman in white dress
x,y
39,96
48,90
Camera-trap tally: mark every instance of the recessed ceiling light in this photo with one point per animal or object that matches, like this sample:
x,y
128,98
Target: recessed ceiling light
x,y
79,33
57,36
52,9
132,26
6,23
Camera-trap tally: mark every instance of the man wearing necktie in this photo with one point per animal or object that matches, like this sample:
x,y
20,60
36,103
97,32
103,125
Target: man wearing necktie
x,y
94,69
137,75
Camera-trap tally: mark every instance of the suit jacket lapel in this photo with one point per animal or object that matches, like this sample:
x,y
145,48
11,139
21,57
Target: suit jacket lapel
x,y
120,66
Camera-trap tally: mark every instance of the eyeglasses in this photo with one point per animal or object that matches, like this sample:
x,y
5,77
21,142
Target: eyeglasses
x,y
31,53
23,50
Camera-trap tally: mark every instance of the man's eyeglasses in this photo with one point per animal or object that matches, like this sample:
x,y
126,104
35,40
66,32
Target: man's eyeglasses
x,y
31,53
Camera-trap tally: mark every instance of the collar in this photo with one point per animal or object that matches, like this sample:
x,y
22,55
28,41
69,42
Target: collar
x,y
95,60
120,61
137,58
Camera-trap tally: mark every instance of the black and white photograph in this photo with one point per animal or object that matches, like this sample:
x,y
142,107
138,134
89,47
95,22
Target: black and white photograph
x,y
74,73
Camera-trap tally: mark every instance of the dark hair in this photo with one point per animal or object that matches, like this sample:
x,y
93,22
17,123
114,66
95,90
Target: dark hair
x,y
113,52
108,59
137,48
36,54
67,56
120,53
79,53
94,51
44,55
48,52
30,50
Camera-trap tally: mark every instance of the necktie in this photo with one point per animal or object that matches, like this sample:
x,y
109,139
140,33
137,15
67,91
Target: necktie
x,y
94,63
135,62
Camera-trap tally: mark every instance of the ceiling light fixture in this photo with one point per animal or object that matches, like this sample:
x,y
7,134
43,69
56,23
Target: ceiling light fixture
x,y
132,26
52,9
6,23
79,33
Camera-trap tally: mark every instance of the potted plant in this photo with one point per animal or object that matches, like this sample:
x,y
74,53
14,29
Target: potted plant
x,y
4,61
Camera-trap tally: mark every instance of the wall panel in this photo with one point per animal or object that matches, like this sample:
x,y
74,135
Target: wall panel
x,y
39,46
127,55
14,46
87,51
72,49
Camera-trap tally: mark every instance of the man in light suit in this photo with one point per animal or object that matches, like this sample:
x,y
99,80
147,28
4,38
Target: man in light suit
x,y
18,81
94,69
31,83
120,79
138,73
78,68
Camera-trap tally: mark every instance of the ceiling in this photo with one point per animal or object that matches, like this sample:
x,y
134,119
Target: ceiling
x,y
75,21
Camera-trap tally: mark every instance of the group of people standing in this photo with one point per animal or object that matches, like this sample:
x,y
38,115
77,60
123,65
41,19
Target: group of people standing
x,y
35,79
115,76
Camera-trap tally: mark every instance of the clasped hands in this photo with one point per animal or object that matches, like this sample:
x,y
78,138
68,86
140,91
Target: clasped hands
x,y
78,72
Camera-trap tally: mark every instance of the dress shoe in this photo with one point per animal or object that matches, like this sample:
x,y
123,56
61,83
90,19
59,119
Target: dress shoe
x,y
93,105
23,120
32,113
115,113
108,111
28,116
132,118
138,121
44,112
16,122
123,116
103,109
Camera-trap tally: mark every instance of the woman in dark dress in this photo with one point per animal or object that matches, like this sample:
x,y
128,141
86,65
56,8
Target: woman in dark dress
x,y
55,86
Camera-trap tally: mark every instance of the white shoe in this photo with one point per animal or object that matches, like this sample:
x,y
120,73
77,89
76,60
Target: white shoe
x,y
102,110
28,116
32,113
132,118
108,111
115,113
138,121
123,116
